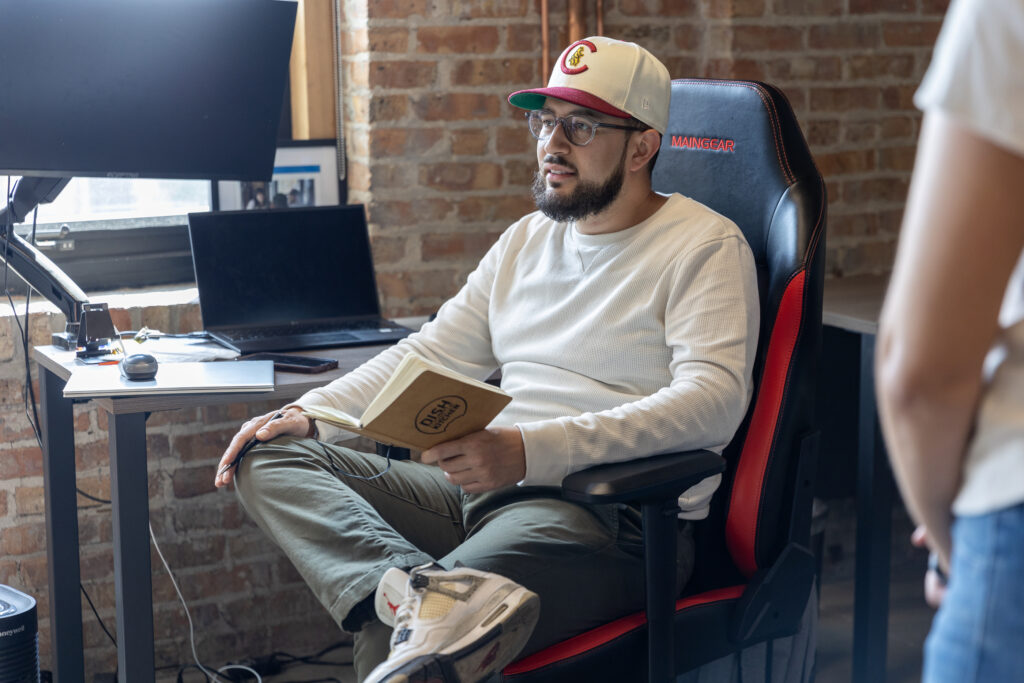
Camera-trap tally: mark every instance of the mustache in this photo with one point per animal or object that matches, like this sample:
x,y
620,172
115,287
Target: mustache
x,y
553,159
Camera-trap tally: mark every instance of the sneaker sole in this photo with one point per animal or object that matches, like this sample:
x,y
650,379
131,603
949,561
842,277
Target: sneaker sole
x,y
483,656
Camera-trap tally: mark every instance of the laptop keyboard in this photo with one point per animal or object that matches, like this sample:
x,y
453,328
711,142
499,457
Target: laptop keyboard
x,y
275,331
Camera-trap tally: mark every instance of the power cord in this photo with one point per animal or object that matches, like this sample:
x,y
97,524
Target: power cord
x,y
191,627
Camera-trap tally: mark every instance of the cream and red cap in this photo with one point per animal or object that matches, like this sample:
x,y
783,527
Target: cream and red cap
x,y
610,76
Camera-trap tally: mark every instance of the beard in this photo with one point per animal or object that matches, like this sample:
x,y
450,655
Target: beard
x,y
588,199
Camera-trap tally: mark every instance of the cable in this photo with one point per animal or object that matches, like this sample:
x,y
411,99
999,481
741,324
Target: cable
x,y
191,627
102,625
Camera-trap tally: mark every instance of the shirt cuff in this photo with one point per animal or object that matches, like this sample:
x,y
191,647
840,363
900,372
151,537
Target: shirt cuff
x,y
546,446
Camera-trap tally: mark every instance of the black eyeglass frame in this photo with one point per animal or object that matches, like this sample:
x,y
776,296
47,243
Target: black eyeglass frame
x,y
564,121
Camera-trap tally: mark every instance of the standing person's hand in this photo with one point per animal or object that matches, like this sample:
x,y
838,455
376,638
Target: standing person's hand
x,y
935,578
262,428
481,461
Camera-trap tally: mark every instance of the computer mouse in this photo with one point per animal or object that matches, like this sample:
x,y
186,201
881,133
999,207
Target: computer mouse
x,y
139,367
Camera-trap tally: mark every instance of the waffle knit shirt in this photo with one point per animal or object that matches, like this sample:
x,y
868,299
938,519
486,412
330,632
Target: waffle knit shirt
x,y
613,346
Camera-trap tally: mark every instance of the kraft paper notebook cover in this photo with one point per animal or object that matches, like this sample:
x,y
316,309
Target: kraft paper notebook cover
x,y
422,405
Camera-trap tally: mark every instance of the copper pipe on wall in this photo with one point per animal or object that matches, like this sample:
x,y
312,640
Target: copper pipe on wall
x,y
600,17
545,41
577,21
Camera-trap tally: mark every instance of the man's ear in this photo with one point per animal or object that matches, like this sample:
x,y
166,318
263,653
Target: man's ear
x,y
646,145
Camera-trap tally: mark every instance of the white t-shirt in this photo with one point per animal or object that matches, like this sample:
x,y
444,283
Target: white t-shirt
x,y
977,78
612,346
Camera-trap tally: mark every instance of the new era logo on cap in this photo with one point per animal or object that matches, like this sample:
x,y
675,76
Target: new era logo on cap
x,y
610,76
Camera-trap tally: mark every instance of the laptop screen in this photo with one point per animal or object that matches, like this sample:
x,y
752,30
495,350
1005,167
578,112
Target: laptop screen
x,y
281,266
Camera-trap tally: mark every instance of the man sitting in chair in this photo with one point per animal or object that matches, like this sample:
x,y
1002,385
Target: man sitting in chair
x,y
624,323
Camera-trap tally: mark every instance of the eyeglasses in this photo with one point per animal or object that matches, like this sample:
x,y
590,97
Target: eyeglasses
x,y
579,130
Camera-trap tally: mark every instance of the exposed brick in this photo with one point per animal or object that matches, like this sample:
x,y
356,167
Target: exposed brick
x,y
515,140
727,9
395,142
471,141
846,162
389,249
890,189
523,38
503,209
899,97
911,33
804,67
401,213
896,158
28,500
860,132
757,38
437,283
3,513
887,6
456,176
457,39
636,8
189,482
24,539
897,127
456,106
821,132
477,9
387,40
20,462
403,74
456,245
847,35
734,68
206,446
875,66
934,6
397,9
679,8
496,71
844,99
808,8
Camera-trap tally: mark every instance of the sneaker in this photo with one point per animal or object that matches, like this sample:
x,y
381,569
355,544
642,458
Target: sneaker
x,y
457,626
390,593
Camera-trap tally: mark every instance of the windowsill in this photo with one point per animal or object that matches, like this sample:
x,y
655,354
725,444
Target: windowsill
x,y
142,297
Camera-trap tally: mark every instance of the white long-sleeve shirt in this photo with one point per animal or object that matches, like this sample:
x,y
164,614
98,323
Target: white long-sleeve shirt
x,y
613,346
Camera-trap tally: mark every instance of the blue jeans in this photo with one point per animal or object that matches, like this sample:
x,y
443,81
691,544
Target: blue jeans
x,y
978,633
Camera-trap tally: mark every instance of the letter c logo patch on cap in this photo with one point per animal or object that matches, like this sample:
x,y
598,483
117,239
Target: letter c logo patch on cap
x,y
574,54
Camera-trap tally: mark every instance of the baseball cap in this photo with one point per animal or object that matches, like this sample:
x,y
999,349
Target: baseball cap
x,y
610,76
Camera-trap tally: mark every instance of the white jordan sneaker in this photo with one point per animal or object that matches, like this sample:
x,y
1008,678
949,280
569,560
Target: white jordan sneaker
x,y
457,626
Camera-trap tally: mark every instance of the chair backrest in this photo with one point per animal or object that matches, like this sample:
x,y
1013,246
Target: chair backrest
x,y
736,147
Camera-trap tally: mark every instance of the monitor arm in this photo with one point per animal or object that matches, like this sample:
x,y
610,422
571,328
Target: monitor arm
x,y
32,265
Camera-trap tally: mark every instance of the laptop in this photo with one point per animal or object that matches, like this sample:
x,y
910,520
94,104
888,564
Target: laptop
x,y
288,279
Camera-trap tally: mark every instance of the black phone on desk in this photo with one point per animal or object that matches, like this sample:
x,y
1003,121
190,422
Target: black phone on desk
x,y
292,362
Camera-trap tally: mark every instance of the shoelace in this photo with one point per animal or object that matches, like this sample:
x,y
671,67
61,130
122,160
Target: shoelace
x,y
403,616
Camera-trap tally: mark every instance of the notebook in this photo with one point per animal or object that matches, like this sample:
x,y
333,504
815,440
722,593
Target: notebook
x,y
174,378
286,279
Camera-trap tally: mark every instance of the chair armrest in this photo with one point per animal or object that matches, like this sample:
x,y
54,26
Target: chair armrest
x,y
645,479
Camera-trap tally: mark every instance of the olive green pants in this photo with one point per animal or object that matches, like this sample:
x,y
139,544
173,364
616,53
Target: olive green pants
x,y
342,533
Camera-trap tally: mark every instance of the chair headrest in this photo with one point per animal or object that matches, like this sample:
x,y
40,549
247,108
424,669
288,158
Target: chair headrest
x,y
736,147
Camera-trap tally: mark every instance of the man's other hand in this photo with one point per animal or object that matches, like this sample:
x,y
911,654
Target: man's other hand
x,y
481,461
263,428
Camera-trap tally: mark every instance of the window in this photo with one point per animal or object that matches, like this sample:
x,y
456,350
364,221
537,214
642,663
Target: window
x,y
108,233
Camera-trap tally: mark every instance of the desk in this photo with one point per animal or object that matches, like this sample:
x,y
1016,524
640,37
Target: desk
x,y
853,305
129,503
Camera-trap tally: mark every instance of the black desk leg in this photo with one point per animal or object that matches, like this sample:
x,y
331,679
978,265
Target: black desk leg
x,y
61,528
874,520
133,587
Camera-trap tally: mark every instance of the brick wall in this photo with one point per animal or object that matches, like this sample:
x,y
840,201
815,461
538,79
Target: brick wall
x,y
442,163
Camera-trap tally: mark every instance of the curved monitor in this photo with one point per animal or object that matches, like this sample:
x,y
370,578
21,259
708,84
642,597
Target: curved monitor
x,y
143,88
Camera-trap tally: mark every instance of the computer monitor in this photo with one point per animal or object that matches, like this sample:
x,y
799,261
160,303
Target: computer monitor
x,y
143,88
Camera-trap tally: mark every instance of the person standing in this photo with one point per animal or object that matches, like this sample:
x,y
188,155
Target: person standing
x,y
950,363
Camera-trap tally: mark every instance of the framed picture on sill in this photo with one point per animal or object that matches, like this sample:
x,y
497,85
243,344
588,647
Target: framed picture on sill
x,y
305,174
